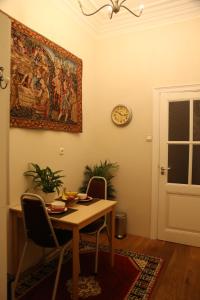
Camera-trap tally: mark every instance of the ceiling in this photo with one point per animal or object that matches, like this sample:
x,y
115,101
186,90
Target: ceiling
x,y
156,13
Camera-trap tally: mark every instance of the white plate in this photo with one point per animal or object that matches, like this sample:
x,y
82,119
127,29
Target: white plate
x,y
56,212
85,200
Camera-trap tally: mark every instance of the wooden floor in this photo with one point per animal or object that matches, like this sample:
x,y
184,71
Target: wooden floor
x,y
180,276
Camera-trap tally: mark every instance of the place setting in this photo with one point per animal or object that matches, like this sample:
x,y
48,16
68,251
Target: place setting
x,y
84,199
63,204
59,209
56,207
70,198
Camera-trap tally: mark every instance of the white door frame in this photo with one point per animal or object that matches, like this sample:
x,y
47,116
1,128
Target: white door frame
x,y
157,93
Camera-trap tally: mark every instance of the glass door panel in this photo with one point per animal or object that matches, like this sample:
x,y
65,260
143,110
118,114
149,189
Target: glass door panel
x,y
178,161
196,165
179,113
196,120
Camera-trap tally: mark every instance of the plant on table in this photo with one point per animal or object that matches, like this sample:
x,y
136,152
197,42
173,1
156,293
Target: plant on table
x,y
47,180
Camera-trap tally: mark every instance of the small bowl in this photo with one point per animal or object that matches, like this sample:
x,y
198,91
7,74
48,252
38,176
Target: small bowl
x,y
57,205
82,196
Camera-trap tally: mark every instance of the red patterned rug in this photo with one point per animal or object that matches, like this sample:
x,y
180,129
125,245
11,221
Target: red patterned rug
x,y
132,278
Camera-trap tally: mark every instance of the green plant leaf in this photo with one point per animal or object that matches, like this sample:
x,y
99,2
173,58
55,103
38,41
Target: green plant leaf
x,y
48,180
104,169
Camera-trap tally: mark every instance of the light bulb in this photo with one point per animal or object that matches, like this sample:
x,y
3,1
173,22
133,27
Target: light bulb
x,y
141,7
110,9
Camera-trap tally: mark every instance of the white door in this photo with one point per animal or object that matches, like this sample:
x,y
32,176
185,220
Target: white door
x,y
179,168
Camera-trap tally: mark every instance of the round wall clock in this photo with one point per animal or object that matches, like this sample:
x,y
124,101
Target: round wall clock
x,y
121,115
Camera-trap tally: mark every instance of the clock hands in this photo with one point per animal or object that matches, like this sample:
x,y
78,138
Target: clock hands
x,y
122,114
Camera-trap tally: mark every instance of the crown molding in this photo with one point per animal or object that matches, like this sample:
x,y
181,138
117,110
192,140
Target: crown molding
x,y
156,13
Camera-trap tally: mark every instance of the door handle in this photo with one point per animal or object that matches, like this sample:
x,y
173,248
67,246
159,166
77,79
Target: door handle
x,y
162,170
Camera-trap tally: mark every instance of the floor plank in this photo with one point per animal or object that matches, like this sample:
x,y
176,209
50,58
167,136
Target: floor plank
x,y
180,275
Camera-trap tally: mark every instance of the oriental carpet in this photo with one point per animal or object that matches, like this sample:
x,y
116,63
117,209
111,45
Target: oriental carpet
x,y
132,278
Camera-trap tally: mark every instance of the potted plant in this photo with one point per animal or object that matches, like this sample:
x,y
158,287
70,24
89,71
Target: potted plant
x,y
105,169
48,181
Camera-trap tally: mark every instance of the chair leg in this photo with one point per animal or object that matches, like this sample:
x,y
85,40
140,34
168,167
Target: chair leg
x,y
108,234
96,253
97,246
62,251
19,270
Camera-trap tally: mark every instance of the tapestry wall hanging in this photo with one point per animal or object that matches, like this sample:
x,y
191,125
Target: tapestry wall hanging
x,y
46,83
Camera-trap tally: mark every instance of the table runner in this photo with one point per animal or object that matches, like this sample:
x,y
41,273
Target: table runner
x,y
62,214
87,203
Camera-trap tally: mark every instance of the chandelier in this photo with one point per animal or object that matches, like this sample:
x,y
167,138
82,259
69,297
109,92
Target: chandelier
x,y
114,7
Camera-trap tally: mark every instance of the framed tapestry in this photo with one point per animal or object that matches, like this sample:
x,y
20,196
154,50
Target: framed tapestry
x,y
46,83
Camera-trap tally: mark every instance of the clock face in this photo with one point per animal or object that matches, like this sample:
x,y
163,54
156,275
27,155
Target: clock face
x,y
121,115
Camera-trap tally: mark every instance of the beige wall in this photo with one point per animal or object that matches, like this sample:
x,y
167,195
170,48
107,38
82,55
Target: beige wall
x,y
4,131
40,146
43,146
129,66
115,70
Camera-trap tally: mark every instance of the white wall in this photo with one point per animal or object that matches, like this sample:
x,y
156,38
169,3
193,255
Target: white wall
x,y
39,146
27,145
4,131
121,69
129,66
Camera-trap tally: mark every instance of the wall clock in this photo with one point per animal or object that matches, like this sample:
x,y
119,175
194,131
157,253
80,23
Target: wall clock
x,y
121,115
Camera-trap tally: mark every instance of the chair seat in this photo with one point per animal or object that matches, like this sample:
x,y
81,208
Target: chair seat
x,y
63,236
94,226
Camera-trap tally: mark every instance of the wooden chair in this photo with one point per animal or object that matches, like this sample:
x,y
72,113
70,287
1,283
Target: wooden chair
x,y
97,188
39,230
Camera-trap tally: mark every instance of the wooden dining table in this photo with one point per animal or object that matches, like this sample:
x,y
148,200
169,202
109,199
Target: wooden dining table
x,y
80,216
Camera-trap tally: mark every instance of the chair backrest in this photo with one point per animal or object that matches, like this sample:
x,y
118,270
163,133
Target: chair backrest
x,y
37,223
97,187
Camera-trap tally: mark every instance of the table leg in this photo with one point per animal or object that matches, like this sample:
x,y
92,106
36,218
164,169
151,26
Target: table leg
x,y
76,263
